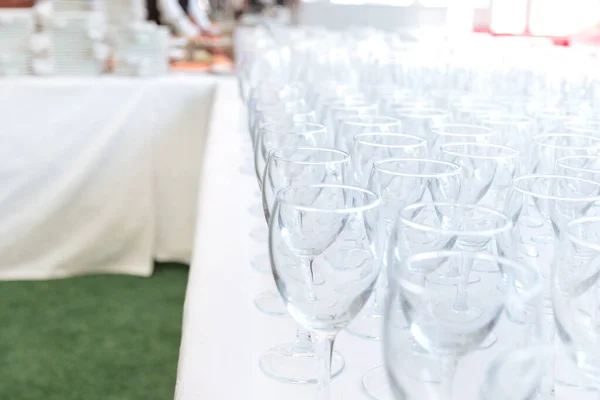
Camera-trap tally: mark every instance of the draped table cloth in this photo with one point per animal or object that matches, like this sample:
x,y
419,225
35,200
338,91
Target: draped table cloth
x,y
99,175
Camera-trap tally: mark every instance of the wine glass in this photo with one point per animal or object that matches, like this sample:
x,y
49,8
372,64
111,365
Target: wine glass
x,y
585,167
420,121
575,292
458,133
512,130
540,207
331,231
516,374
368,148
357,124
488,168
293,166
415,300
548,148
401,182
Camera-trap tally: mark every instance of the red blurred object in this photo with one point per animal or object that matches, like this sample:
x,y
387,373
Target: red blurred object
x,y
16,3
558,40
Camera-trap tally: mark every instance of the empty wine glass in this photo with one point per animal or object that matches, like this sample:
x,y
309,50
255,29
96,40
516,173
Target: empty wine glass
x,y
294,166
540,207
488,168
514,131
371,147
575,293
458,133
357,124
420,121
331,231
400,182
516,374
548,148
585,167
423,304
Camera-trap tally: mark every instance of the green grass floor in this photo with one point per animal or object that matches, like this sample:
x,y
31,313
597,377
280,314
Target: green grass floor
x,y
92,338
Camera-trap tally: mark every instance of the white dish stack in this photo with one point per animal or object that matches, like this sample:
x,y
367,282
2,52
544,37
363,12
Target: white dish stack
x,y
141,49
76,30
16,30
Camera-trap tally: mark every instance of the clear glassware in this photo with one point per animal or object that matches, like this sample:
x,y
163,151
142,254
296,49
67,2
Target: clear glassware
x,y
585,167
420,121
369,148
357,124
437,226
294,166
475,112
338,111
458,133
516,374
331,231
512,130
548,148
575,293
584,127
488,168
414,300
540,207
401,182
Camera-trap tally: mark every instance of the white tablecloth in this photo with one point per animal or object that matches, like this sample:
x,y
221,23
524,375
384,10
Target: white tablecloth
x,y
99,176
223,334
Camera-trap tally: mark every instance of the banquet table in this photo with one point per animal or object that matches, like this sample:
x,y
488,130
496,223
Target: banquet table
x,y
99,175
223,333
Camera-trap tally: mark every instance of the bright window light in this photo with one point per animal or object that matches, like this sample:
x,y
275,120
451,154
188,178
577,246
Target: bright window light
x,y
399,3
509,16
562,17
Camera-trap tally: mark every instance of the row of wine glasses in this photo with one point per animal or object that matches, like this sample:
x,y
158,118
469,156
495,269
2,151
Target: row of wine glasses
x,y
409,203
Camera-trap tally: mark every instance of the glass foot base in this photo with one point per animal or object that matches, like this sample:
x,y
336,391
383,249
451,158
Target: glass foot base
x,y
376,385
368,325
488,342
291,364
270,303
257,211
260,235
247,170
262,264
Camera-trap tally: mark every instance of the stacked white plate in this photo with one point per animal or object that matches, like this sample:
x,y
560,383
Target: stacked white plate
x,y
76,43
141,49
76,5
120,13
16,30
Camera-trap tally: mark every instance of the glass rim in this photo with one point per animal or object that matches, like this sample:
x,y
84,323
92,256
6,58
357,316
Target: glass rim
x,y
391,121
536,140
507,226
507,119
273,127
457,169
560,163
345,156
484,131
582,242
528,192
376,199
534,289
358,138
577,125
364,105
514,152
421,112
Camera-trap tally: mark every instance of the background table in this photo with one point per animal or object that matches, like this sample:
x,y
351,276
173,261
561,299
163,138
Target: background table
x,y
99,175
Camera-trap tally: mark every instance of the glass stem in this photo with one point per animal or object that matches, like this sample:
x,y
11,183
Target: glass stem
x,y
324,347
461,300
303,342
309,277
449,365
380,293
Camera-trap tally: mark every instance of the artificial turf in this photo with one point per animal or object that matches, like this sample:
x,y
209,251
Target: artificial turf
x,y
91,338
